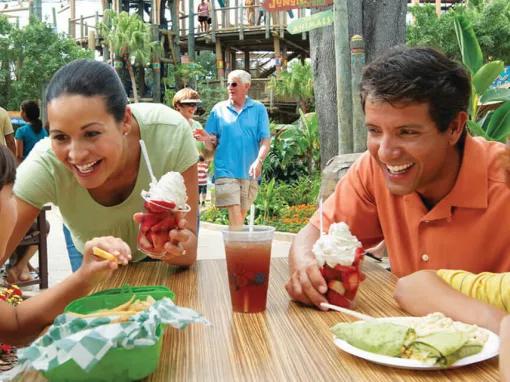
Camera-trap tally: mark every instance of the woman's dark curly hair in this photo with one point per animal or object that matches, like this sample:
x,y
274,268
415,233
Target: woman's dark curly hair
x,y
7,167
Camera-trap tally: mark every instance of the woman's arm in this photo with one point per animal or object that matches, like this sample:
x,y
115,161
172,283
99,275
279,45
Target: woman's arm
x,y
25,217
504,349
19,150
424,292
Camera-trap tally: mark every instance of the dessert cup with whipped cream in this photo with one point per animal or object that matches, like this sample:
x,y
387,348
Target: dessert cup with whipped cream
x,y
339,255
165,204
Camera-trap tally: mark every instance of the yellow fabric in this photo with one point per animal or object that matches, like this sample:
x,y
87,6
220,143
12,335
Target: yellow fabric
x,y
492,288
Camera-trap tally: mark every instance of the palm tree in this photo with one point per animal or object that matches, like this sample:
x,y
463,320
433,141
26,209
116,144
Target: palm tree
x,y
295,82
129,38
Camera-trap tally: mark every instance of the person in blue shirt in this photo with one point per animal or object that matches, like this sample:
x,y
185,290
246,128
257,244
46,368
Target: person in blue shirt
x,y
29,134
238,133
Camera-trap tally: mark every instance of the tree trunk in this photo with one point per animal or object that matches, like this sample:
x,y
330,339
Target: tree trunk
x,y
322,55
382,25
133,80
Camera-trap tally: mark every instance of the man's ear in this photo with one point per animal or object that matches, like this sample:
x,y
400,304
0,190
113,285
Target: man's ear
x,y
456,127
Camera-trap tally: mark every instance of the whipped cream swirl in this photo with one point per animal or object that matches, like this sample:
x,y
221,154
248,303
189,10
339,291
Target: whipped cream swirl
x,y
337,247
169,188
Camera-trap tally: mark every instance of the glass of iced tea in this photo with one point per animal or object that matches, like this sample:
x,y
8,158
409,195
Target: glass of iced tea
x,y
248,253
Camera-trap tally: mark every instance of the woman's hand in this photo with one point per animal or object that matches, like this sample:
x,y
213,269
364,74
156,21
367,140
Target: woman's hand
x,y
95,269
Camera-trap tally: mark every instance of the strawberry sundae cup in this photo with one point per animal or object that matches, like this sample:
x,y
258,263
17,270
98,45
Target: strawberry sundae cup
x,y
339,255
165,204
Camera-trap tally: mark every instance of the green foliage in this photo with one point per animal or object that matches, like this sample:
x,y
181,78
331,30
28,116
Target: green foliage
x,y
495,125
296,82
490,21
29,57
214,215
294,149
130,39
285,206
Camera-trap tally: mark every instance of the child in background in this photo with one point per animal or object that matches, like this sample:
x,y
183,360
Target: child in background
x,y
29,134
203,169
21,324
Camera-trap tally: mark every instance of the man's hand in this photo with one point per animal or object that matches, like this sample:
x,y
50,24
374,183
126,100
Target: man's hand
x,y
202,136
307,285
255,169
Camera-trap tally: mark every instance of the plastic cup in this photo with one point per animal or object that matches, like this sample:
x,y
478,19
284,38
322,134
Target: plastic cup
x,y
248,257
158,219
343,281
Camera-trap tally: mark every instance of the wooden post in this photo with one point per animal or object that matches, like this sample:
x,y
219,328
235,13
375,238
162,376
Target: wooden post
x,y
191,31
233,60
247,60
54,17
357,63
214,23
175,30
91,43
82,28
284,55
72,15
219,62
156,65
37,9
241,28
343,80
277,54
438,7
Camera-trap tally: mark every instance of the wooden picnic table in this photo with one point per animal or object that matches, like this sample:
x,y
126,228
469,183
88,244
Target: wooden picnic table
x,y
287,342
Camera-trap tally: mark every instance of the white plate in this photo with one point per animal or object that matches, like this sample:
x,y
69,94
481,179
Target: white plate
x,y
490,350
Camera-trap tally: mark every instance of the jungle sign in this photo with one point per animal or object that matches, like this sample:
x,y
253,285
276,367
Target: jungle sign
x,y
285,5
317,20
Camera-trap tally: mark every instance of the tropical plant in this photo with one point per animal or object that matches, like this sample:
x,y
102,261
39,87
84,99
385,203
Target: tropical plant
x,y
296,82
29,56
490,21
303,138
129,38
495,125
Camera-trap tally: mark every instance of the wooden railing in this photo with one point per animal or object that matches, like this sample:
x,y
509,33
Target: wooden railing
x,y
235,19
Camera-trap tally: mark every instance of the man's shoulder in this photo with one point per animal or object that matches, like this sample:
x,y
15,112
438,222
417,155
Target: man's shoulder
x,y
491,150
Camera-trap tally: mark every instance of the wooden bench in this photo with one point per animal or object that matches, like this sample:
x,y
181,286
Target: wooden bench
x,y
39,238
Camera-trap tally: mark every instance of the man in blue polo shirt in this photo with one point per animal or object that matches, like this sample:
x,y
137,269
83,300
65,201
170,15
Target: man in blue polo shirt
x,y
238,131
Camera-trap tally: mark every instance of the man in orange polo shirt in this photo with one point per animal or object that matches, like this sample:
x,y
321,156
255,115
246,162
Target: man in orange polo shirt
x,y
433,193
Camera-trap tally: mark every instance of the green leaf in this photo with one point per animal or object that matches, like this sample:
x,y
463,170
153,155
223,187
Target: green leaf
x,y
475,129
486,75
494,95
499,125
468,43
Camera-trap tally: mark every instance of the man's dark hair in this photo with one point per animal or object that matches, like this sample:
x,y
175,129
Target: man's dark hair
x,y
418,75
90,78
7,167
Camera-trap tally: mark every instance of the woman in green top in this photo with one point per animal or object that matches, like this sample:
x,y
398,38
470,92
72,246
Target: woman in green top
x,y
91,166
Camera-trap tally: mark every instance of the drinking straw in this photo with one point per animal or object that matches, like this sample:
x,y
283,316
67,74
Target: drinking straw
x,y
320,217
252,218
147,162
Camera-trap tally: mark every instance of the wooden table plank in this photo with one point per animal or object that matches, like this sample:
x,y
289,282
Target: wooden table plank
x,y
286,342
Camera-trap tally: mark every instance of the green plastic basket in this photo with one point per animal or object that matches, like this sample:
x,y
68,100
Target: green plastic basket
x,y
118,364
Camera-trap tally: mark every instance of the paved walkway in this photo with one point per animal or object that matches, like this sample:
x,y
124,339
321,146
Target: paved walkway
x,y
210,246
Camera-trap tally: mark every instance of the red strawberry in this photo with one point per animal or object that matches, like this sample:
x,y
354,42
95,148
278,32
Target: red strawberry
x,y
330,273
148,220
158,206
337,299
351,280
159,239
336,286
166,224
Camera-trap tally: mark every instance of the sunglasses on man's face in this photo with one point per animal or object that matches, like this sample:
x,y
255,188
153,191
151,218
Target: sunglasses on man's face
x,y
232,84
